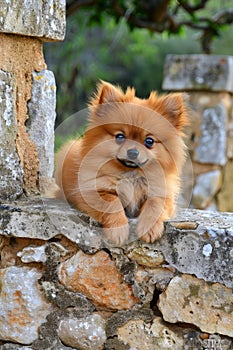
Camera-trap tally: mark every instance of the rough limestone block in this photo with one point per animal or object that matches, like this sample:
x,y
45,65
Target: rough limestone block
x,y
42,114
150,336
198,72
44,19
211,147
11,173
145,255
206,187
83,334
200,243
191,300
110,293
22,305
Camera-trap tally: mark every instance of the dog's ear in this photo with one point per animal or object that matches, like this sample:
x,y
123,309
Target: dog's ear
x,y
106,93
173,107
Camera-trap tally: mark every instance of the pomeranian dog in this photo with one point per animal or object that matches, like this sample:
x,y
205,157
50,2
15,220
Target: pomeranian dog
x,y
128,162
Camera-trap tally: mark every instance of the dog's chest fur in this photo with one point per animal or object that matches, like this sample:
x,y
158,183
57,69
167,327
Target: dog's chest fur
x,y
132,190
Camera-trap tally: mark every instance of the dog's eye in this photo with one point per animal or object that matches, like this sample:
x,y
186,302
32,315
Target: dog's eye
x,y
149,142
120,138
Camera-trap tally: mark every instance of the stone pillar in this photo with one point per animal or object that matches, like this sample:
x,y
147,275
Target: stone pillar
x,y
27,93
208,79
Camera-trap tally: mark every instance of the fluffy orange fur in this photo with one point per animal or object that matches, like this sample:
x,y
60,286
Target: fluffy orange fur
x,y
128,162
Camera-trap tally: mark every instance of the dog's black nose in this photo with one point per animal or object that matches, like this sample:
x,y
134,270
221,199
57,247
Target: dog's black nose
x,y
132,153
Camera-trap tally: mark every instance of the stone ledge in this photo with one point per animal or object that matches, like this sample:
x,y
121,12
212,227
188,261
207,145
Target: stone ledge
x,y
198,72
194,242
42,218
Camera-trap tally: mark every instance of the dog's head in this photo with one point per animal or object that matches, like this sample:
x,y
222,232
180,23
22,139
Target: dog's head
x,y
137,131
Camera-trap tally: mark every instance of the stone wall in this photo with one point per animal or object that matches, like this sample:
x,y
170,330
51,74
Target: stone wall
x,y
208,79
63,287
27,94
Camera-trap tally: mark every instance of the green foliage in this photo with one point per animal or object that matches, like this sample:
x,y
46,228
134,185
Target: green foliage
x,y
114,53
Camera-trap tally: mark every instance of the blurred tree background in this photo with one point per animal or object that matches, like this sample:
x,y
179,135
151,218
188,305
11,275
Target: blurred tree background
x,y
125,42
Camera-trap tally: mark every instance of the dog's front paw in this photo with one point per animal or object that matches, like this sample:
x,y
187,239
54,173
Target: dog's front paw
x,y
151,234
117,236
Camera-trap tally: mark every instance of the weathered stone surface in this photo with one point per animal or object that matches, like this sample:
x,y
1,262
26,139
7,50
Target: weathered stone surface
x,y
204,250
54,291
206,187
212,145
120,318
45,19
22,306
209,141
11,175
48,332
33,254
10,248
198,72
83,334
40,125
208,81
97,277
20,56
146,255
138,329
148,279
190,300
140,335
183,244
225,197
195,242
45,218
